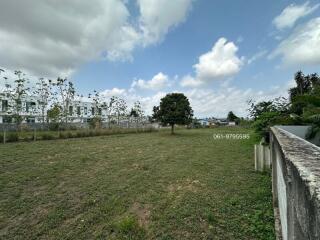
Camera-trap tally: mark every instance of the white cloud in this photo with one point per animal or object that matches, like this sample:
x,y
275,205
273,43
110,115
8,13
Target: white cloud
x,y
9,77
189,81
150,101
158,82
51,38
208,102
292,13
217,103
157,17
113,92
302,46
220,63
147,102
257,56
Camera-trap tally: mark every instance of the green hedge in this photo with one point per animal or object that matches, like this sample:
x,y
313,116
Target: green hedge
x,y
51,135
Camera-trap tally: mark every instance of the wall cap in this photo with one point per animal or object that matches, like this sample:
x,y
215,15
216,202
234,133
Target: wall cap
x,y
304,155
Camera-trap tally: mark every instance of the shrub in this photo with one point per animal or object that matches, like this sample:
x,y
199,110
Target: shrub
x,y
262,124
130,228
69,135
50,135
99,132
47,136
62,135
73,127
28,137
53,126
95,123
90,133
80,134
12,137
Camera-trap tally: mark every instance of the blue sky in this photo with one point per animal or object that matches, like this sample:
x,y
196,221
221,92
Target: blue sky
x,y
219,53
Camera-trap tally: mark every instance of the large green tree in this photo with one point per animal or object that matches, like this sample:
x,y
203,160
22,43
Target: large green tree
x,y
174,109
232,117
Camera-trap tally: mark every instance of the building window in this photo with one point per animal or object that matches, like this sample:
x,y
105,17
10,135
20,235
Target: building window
x,y
85,110
31,120
30,106
4,105
19,104
78,111
100,111
7,119
92,111
71,110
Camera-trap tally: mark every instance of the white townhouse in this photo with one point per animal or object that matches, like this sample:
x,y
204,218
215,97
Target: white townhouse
x,y
82,111
29,109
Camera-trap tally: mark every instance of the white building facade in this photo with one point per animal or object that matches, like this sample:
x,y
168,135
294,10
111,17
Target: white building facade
x,y
78,111
27,108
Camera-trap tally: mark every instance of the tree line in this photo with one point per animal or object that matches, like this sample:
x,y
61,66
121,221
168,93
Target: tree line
x,y
301,108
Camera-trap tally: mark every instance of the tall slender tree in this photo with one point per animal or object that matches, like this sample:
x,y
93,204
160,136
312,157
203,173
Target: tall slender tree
x,y
43,93
65,93
17,95
119,107
137,112
109,108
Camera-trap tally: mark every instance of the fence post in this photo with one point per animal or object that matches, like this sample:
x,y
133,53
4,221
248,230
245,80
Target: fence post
x,y
34,135
262,157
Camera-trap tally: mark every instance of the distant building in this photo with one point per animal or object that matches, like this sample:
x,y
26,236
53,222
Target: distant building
x,y
79,111
204,122
83,111
29,109
232,124
209,122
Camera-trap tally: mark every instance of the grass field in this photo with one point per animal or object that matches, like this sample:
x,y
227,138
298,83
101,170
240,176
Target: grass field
x,y
135,186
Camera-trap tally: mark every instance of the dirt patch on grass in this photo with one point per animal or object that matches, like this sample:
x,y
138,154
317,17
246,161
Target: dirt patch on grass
x,y
51,157
142,167
38,214
142,212
72,220
187,185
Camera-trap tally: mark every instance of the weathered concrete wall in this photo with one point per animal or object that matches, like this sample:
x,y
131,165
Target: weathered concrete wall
x,y
296,185
301,131
262,157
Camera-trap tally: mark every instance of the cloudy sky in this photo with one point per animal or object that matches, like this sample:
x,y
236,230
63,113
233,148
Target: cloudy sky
x,y
219,53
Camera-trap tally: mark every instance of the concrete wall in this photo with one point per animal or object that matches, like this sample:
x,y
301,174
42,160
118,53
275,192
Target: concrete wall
x,y
301,132
261,157
296,186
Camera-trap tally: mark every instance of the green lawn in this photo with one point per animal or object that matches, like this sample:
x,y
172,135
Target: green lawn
x,y
135,186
